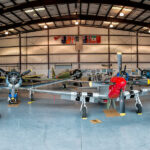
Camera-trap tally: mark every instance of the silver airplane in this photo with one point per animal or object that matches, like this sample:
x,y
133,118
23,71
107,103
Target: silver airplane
x,y
14,82
100,96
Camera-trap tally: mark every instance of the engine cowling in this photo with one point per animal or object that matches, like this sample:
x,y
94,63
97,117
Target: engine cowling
x,y
119,83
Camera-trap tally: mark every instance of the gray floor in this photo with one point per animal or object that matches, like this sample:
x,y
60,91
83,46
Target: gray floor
x,y
44,125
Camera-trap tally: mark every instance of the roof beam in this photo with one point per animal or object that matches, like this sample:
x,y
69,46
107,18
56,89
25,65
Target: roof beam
x,y
75,17
54,2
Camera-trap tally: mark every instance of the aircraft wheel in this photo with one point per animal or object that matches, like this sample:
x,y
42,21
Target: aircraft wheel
x,y
10,102
77,73
64,86
139,108
80,84
84,112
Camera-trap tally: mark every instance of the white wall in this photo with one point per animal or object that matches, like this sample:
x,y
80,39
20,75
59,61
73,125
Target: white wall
x,y
35,48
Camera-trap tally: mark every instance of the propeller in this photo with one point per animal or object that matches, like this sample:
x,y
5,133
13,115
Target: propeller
x,y
26,72
119,58
3,71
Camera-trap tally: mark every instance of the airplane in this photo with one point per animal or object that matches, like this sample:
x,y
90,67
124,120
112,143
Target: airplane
x,y
116,90
15,81
145,73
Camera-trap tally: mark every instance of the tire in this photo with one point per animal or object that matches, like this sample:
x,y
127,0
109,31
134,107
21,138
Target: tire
x,y
139,108
10,102
84,112
64,86
77,73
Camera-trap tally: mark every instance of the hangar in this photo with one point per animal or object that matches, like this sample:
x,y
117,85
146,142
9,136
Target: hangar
x,y
64,40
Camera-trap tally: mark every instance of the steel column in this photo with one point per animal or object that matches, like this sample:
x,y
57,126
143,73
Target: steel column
x,y
108,48
137,50
48,75
79,49
20,52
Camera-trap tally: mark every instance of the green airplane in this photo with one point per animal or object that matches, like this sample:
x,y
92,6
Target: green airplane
x,y
68,74
75,74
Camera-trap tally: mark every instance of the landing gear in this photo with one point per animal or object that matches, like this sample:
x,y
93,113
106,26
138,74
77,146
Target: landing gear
x,y
84,112
13,100
83,108
31,95
64,86
138,104
138,108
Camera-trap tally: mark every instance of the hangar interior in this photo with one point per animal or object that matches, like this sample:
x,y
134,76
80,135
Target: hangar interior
x,y
40,51
73,34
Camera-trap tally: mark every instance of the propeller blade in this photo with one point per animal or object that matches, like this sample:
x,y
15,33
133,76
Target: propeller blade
x,y
119,59
125,68
26,72
3,71
140,69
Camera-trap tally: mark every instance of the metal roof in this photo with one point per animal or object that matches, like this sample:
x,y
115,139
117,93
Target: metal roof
x,y
22,16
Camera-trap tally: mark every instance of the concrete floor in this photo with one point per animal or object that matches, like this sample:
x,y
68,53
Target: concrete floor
x,y
44,125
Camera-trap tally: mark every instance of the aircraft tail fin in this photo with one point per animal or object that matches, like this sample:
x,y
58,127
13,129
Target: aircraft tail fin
x,y
53,73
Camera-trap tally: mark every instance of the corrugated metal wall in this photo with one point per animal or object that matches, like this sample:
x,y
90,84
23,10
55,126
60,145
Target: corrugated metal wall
x,y
35,46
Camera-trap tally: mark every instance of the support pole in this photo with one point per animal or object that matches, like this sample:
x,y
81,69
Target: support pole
x,y
48,75
137,50
20,52
78,49
26,52
108,48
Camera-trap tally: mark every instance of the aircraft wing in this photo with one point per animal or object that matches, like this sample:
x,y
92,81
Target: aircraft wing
x,y
32,76
37,85
70,95
133,93
4,87
73,96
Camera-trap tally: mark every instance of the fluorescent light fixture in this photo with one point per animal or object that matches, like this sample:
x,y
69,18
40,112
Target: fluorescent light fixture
x,y
6,32
11,29
127,9
106,22
32,10
45,27
40,9
115,23
29,10
111,26
49,23
41,24
76,23
117,8
34,15
121,14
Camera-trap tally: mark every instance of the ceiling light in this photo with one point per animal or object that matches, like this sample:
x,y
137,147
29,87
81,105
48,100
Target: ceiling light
x,y
11,29
121,14
6,32
127,9
115,23
49,23
32,10
76,23
39,9
41,24
45,27
111,26
118,8
106,22
29,11
34,15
